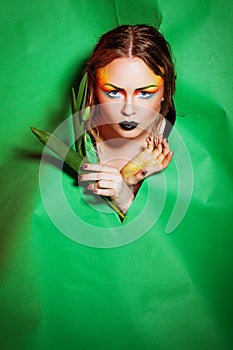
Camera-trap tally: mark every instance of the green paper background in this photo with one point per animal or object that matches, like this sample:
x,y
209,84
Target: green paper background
x,y
161,291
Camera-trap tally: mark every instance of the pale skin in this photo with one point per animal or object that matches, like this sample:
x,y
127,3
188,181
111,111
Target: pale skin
x,y
128,92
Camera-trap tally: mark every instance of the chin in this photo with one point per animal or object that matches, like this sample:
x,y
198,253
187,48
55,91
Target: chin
x,y
131,134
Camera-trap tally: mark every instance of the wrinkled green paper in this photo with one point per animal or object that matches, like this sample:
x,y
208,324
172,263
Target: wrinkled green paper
x,y
162,291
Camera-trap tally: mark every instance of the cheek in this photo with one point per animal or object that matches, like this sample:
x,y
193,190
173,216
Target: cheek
x,y
151,105
148,116
156,104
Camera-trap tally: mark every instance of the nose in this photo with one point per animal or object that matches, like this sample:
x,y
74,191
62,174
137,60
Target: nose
x,y
128,108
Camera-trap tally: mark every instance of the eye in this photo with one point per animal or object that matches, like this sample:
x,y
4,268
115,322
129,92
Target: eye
x,y
145,94
114,94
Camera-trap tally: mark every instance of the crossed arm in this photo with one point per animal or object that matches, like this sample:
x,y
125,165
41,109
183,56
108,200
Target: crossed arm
x,y
120,185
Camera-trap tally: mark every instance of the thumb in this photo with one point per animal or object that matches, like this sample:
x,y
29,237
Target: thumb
x,y
141,174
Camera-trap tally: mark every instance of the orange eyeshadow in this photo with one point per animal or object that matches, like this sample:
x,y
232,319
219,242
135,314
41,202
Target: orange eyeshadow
x,y
107,87
152,90
102,76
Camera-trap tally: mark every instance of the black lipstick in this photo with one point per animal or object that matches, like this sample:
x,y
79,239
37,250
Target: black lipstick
x,y
128,125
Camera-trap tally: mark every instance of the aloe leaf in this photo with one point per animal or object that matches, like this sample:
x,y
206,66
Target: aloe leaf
x,y
84,93
73,101
77,104
81,98
69,156
78,130
80,146
75,115
86,114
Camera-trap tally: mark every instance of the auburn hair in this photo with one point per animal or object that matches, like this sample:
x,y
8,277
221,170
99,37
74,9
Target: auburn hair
x,y
140,41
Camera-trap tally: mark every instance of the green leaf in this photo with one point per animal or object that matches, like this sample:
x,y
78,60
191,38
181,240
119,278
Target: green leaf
x,y
80,145
86,114
78,129
80,117
82,92
69,156
73,102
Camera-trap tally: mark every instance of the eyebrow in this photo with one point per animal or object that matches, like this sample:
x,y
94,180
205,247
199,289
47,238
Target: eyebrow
x,y
147,87
140,88
114,86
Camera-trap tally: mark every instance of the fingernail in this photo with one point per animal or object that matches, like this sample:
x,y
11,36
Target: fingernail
x,y
84,166
80,177
94,190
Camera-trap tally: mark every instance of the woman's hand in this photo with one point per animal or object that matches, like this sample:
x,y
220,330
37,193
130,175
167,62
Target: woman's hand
x,y
108,181
154,158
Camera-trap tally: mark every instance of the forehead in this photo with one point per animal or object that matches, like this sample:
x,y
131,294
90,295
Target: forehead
x,y
128,72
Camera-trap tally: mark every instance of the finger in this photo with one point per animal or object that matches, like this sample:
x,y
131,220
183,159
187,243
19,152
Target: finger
x,y
158,150
150,143
107,184
99,167
165,143
167,160
104,192
160,138
160,158
100,176
166,151
141,174
90,177
103,185
156,141
92,187
166,147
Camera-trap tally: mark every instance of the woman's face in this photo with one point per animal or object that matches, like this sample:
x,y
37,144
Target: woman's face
x,y
130,96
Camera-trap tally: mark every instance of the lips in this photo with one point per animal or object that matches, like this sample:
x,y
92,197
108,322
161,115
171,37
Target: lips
x,y
128,125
